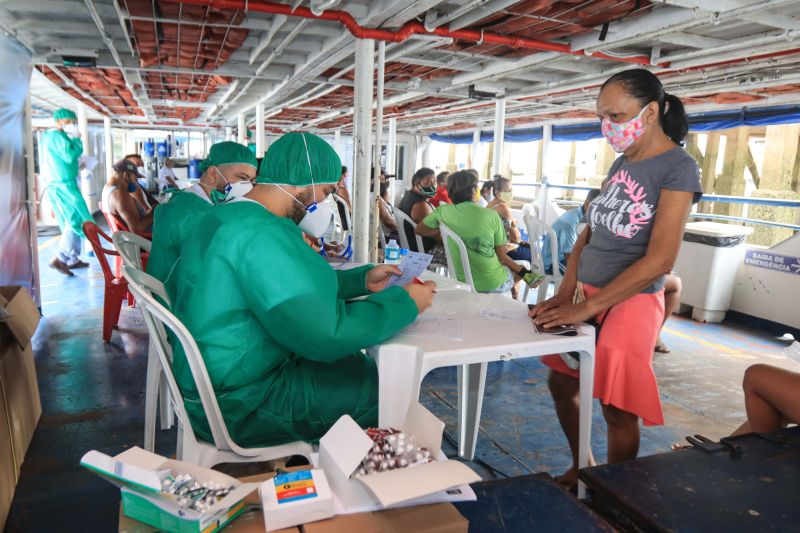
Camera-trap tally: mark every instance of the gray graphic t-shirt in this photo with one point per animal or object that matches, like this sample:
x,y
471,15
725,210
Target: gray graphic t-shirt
x,y
621,218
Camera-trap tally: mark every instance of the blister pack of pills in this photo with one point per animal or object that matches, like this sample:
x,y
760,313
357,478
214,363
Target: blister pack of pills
x,y
190,493
391,449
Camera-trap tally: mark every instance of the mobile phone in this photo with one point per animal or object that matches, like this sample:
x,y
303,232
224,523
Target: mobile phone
x,y
567,330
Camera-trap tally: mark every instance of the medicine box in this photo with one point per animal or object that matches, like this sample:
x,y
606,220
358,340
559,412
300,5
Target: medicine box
x,y
138,473
293,498
345,445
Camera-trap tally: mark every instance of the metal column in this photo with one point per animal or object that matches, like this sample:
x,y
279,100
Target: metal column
x,y
337,145
547,139
476,147
260,144
391,156
362,147
109,146
83,127
31,200
241,129
499,132
376,158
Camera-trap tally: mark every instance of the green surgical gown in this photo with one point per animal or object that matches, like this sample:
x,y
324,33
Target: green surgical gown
x,y
172,223
60,169
277,328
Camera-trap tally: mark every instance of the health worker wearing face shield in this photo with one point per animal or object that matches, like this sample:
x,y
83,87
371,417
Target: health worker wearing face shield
x,y
228,172
62,147
278,327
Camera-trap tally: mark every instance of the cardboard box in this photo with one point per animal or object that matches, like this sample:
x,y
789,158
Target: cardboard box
x,y
294,498
345,445
138,474
20,406
436,518
8,471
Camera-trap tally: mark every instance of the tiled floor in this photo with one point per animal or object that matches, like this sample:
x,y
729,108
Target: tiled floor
x,y
93,396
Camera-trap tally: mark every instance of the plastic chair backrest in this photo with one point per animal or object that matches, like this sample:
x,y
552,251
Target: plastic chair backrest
x,y
114,223
402,220
144,288
537,229
382,237
130,247
447,236
530,209
93,235
344,213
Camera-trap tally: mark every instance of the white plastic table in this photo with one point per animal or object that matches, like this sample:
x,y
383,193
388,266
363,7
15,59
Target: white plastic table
x,y
404,360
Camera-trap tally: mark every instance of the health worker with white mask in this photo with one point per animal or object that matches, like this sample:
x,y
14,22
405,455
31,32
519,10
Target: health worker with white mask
x,y
228,172
278,327
62,148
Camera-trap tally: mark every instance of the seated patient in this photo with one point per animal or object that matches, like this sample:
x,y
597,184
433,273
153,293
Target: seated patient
x,y
771,398
566,230
482,232
119,202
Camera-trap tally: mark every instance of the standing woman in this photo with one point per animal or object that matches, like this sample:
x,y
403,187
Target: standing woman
x,y
635,228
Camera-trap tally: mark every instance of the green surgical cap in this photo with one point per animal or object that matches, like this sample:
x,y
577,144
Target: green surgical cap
x,y
62,113
228,153
300,159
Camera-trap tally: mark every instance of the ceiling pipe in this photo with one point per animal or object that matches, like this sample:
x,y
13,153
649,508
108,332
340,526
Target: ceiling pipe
x,y
407,30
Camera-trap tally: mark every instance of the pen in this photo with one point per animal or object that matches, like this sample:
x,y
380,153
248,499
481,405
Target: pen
x,y
420,282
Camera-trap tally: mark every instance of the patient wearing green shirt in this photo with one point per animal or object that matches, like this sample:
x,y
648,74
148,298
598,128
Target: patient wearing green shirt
x,y
278,328
482,232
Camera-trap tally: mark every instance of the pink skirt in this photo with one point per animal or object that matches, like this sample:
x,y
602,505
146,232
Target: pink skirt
x,y
623,371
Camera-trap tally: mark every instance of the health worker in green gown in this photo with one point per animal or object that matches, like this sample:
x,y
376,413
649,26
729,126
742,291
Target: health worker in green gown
x,y
278,328
228,172
62,148
250,144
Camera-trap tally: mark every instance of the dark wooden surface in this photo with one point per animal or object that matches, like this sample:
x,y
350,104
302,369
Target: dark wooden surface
x,y
528,503
690,490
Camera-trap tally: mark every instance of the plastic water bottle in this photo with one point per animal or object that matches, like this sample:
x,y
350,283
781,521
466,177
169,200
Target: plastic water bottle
x,y
391,254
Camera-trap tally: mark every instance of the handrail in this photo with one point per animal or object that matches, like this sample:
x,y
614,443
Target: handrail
x,y
772,202
746,220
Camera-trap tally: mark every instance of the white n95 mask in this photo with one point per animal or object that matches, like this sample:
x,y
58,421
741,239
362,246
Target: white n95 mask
x,y
236,190
317,219
71,130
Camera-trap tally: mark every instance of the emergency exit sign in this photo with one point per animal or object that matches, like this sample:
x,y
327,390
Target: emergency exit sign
x,y
770,261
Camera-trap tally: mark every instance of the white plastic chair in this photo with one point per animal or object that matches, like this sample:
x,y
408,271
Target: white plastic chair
x,y
346,222
156,396
537,229
403,219
447,236
190,449
130,247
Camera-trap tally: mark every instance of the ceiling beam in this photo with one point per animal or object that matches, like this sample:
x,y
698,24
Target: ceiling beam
x,y
766,17
691,40
410,11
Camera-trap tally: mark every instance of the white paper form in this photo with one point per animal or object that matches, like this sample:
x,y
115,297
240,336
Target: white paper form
x,y
412,266
503,315
434,327
88,162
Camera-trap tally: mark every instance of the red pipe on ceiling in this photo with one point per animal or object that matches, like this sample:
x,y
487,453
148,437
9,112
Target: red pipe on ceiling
x,y
408,29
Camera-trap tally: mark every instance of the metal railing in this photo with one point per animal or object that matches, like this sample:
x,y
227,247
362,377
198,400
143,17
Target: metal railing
x,y
772,202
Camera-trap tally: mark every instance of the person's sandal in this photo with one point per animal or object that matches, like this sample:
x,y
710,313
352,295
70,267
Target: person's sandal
x,y
62,267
